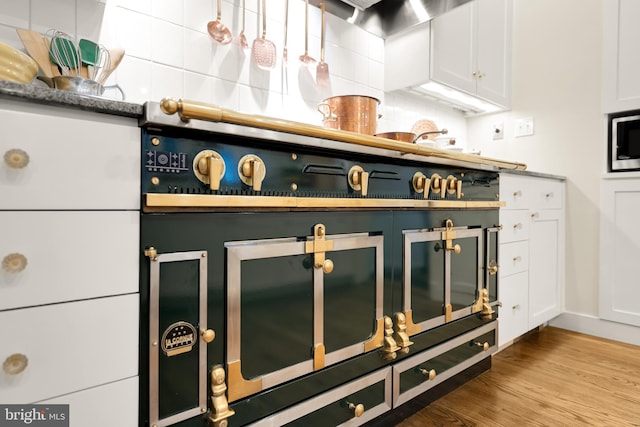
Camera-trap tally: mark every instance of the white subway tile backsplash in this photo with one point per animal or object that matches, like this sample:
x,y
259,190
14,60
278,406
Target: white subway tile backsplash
x,y
226,94
59,15
142,6
166,81
89,17
169,53
133,32
197,13
167,43
168,10
197,52
15,13
197,87
134,77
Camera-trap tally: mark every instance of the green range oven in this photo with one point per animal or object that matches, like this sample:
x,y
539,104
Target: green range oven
x,y
295,280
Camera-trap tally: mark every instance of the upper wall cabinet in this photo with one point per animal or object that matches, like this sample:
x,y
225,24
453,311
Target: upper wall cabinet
x,y
467,49
471,49
620,56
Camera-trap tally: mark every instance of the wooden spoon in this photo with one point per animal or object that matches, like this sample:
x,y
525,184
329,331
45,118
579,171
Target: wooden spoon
x,y
38,49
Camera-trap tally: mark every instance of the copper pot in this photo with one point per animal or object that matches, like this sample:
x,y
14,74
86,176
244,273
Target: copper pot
x,y
407,136
354,113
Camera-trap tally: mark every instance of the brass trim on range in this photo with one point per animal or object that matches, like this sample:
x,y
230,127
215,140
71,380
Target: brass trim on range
x,y
154,201
188,110
240,251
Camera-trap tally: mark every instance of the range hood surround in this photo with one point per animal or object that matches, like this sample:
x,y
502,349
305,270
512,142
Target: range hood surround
x,y
387,17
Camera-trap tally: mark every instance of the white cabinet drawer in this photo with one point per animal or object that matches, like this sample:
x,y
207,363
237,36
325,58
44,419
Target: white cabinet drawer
x,y
514,190
69,255
68,347
121,397
515,225
547,194
75,161
513,318
514,258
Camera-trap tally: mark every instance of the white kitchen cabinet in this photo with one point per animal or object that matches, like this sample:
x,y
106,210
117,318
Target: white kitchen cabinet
x,y
620,250
69,284
68,347
620,56
471,49
531,264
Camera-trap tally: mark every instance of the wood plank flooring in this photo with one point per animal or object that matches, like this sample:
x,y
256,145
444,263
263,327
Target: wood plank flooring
x,y
552,377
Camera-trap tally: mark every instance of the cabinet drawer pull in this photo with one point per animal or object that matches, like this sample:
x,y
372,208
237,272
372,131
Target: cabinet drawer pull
x,y
485,345
517,226
517,193
548,195
430,373
14,263
16,158
358,409
517,259
15,364
516,307
534,215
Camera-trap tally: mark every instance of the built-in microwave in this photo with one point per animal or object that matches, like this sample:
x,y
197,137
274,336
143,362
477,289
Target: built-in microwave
x,y
624,141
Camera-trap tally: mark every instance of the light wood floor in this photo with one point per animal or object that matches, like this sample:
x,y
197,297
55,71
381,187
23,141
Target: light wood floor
x,y
553,377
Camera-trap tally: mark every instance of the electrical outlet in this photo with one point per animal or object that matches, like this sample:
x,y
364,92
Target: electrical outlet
x,y
498,130
523,127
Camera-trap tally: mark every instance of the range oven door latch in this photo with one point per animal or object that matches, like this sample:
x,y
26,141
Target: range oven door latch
x,y
448,235
318,247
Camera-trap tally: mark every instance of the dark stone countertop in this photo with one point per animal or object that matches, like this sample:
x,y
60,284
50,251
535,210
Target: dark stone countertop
x,y
43,95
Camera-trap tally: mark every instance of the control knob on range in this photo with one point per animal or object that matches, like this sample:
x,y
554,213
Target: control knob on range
x,y
453,185
209,167
252,171
438,184
359,179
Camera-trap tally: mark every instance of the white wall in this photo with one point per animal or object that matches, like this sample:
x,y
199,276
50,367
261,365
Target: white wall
x,y
557,51
169,53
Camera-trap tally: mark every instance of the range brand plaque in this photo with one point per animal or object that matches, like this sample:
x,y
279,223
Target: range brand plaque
x,y
179,338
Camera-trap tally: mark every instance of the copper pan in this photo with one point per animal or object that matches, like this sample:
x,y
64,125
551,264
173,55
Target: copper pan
x,y
354,113
407,136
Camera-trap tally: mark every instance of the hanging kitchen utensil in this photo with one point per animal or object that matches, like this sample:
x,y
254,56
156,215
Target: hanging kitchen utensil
x,y
38,48
322,71
64,52
243,39
264,51
286,24
305,58
217,30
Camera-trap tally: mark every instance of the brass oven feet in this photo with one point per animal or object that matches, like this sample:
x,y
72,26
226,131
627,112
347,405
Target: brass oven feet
x,y
220,410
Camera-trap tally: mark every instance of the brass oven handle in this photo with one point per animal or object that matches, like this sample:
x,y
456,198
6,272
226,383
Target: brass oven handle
x,y
16,158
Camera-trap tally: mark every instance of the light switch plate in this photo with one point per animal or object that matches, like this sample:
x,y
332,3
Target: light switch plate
x,y
523,127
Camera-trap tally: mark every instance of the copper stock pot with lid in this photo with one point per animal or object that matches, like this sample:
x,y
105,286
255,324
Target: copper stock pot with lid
x,y
354,113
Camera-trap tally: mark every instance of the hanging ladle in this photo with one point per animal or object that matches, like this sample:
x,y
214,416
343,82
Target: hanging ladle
x,y
243,39
305,58
217,30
